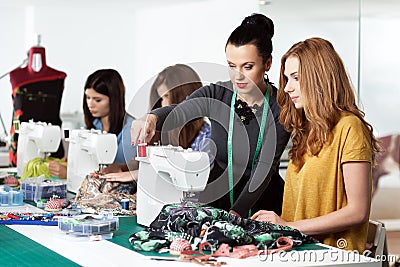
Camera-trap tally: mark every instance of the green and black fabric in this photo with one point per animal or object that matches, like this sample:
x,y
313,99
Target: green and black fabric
x,y
222,227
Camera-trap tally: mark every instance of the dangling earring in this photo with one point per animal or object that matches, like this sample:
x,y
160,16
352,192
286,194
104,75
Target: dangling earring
x,y
265,80
266,77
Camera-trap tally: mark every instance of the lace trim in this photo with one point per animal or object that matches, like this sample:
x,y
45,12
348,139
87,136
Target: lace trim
x,y
247,113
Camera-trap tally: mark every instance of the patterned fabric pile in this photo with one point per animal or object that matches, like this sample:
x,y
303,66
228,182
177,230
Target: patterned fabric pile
x,y
96,195
216,226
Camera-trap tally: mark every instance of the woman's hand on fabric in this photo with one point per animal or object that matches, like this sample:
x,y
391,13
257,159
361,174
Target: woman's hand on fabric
x,y
143,129
115,167
268,216
58,170
124,177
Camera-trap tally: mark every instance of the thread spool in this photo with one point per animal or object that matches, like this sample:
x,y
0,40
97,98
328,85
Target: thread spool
x,y
125,204
142,149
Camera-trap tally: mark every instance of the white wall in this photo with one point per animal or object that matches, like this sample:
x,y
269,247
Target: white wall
x,y
338,21
298,20
78,40
380,92
12,54
379,73
191,33
139,40
130,36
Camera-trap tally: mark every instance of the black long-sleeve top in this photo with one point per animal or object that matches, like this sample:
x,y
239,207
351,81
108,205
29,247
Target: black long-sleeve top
x,y
260,189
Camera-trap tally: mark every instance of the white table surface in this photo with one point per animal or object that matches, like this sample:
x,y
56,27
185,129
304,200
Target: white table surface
x,y
104,253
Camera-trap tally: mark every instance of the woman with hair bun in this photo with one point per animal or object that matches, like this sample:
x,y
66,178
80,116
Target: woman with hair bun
x,y
244,115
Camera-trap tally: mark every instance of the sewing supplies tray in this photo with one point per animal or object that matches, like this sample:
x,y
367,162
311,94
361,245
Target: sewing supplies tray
x,y
88,224
35,188
33,218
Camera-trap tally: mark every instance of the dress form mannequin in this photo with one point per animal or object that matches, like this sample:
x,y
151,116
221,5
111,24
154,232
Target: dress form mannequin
x,y
36,70
36,92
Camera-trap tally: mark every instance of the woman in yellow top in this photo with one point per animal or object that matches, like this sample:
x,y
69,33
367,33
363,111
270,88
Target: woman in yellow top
x,y
328,181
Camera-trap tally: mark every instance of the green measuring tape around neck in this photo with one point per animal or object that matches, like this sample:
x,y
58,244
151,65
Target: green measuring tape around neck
x,y
230,134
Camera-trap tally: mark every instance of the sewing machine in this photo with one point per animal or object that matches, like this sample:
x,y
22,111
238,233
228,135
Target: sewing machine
x,y
89,151
168,175
35,139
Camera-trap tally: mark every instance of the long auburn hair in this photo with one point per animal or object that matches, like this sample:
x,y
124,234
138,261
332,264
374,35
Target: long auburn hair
x,y
327,95
181,80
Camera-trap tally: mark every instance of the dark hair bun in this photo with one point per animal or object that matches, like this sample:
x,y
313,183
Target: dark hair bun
x,y
259,20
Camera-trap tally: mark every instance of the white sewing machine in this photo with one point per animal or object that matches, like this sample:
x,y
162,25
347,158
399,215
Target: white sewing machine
x,y
88,151
35,139
168,175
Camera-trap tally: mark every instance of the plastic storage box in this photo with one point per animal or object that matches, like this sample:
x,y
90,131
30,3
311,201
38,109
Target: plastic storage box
x,y
10,196
88,224
35,188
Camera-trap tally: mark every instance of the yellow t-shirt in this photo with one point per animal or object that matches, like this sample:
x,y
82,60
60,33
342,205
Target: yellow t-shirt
x,y
318,188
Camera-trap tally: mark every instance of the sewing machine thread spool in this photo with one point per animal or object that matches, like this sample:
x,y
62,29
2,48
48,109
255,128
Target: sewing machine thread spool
x,y
125,204
142,149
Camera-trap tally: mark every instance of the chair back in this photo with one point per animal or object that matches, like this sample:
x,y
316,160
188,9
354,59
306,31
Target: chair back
x,y
376,241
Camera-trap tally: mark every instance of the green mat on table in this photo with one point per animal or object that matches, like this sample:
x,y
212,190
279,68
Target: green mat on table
x,y
18,250
127,226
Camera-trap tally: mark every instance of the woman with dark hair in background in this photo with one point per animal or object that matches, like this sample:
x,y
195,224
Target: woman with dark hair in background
x,y
104,109
171,86
245,126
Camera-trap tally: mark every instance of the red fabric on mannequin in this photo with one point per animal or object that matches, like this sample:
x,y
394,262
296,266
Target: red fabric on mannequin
x,y
22,76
